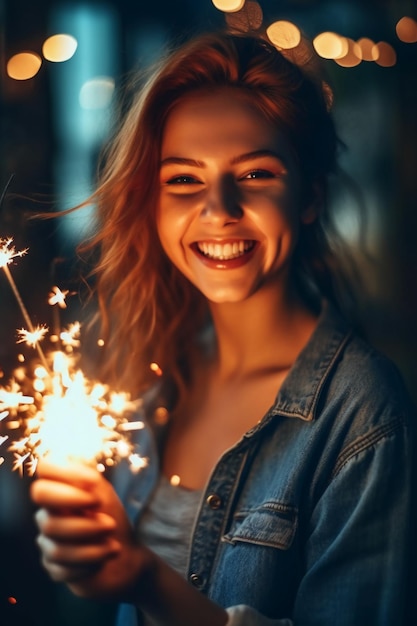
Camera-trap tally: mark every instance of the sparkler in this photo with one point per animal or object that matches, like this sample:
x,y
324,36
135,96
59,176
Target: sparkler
x,y
59,411
7,254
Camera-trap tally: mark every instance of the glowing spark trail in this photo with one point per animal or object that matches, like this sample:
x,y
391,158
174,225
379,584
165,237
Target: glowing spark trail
x,y
12,398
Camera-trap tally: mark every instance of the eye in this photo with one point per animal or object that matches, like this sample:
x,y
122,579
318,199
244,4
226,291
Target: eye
x,y
183,179
257,174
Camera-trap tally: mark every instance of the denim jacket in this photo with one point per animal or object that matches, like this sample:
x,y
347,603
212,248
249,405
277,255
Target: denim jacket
x,y
307,519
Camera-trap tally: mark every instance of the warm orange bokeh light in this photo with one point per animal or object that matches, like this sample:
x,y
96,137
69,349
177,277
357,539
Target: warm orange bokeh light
x,y
284,35
368,50
406,29
353,56
175,480
330,45
156,369
59,48
24,65
229,5
387,56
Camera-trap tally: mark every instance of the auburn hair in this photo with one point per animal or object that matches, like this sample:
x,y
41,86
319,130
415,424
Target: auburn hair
x,y
149,312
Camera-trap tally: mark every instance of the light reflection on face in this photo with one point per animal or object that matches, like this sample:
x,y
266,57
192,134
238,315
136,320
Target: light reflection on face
x,y
228,215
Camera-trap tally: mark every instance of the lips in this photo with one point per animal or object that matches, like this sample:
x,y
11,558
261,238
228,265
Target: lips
x,y
226,254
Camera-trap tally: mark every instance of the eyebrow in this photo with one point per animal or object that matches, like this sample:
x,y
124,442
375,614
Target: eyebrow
x,y
181,161
241,158
256,154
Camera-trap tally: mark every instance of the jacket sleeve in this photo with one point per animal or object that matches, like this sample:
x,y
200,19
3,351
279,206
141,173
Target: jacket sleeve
x,y
358,550
359,556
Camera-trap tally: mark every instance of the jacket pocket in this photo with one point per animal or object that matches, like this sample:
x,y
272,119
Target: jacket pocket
x,y
272,524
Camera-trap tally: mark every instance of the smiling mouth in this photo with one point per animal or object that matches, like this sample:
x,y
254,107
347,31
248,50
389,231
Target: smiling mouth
x,y
224,251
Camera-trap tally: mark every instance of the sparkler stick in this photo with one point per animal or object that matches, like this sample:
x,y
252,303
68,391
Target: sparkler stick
x,y
25,315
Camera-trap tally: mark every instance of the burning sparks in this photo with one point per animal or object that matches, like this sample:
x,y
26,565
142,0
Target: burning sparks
x,y
67,417
56,296
70,336
9,252
73,419
57,410
32,338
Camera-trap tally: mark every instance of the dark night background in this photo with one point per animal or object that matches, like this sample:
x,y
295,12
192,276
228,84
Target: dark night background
x,y
51,153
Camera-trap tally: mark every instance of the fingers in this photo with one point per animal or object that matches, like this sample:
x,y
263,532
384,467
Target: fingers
x,y
78,474
52,494
75,527
67,563
75,547
78,554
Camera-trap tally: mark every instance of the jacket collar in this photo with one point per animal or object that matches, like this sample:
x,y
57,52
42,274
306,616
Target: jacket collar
x,y
300,392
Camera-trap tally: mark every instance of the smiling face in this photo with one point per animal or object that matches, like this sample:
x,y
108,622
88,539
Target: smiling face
x,y
228,214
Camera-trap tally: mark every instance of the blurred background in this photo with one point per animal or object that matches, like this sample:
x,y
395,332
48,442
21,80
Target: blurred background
x,y
63,65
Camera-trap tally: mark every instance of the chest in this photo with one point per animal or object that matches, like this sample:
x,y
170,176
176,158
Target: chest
x,y
212,423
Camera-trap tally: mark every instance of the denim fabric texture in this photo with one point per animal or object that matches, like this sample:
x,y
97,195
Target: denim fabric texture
x,y
311,523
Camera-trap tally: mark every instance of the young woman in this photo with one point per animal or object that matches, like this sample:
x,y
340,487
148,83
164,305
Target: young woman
x,y
289,436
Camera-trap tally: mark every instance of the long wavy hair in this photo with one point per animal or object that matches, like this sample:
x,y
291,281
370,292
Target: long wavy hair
x,y
149,312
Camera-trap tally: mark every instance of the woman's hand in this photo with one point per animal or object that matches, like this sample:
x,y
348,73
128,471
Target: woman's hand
x,y
84,536
87,542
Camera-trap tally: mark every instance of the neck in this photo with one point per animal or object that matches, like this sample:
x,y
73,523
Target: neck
x,y
264,333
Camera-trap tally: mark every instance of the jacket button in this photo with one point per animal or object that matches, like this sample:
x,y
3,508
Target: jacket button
x,y
196,580
214,501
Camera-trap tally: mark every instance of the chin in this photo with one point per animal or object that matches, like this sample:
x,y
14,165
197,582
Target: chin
x,y
227,296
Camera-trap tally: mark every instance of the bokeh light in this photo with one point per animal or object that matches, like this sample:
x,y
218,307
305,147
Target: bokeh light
x,y
175,480
97,93
59,48
368,50
284,34
353,56
24,65
229,6
406,30
386,55
330,45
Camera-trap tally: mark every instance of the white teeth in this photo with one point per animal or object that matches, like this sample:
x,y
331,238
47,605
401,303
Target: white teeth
x,y
225,251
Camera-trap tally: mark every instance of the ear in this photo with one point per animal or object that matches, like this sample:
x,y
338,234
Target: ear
x,y
310,211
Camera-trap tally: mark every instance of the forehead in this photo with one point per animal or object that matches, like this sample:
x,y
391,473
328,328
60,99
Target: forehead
x,y
224,118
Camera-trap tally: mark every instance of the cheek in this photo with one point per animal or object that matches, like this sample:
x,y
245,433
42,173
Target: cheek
x,y
170,227
277,213
280,224
173,218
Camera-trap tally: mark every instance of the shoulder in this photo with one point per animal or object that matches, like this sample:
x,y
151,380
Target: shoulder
x,y
366,406
341,375
367,380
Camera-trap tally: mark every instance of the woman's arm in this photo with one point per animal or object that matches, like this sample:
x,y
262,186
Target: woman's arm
x,y
87,542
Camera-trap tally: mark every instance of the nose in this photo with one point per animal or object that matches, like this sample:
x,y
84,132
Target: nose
x,y
221,204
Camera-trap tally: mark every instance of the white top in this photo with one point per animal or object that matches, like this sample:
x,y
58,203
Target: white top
x,y
167,523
